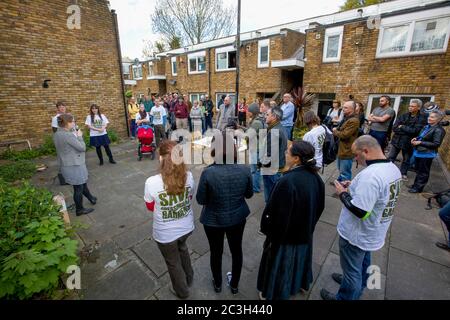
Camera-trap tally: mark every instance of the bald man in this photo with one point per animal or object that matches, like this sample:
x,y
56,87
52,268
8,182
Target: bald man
x,y
368,207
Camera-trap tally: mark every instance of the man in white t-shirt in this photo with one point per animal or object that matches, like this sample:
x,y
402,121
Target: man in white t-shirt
x,y
159,116
369,201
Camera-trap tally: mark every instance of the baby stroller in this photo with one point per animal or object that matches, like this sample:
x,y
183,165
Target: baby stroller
x,y
146,137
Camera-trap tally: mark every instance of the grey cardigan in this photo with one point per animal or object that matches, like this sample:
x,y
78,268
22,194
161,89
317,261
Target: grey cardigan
x,y
69,148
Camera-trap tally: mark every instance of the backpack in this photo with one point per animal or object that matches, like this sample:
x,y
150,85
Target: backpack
x,y
329,148
442,198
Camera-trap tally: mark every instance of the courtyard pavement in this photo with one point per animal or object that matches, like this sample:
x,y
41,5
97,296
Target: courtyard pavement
x,y
120,260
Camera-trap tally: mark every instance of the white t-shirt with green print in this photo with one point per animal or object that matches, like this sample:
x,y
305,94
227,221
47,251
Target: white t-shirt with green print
x,y
374,190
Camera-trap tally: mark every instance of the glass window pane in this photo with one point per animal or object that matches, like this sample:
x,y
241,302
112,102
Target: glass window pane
x,y
174,67
404,103
222,60
201,63
333,46
193,64
394,39
264,54
430,34
232,59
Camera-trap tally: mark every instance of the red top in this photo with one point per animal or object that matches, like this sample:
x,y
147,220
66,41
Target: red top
x,y
181,111
242,107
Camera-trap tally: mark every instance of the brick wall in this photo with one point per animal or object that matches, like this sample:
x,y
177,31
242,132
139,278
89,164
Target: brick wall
x,y
359,73
83,66
253,80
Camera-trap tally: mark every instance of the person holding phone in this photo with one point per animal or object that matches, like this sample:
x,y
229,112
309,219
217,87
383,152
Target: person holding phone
x,y
70,150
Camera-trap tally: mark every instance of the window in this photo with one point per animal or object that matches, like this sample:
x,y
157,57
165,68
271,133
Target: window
x,y
399,103
333,44
150,70
263,53
137,72
219,97
414,34
173,62
195,96
226,58
126,68
197,62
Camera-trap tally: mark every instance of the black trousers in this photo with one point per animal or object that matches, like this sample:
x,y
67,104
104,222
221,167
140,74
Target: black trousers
x,y
100,154
78,192
406,154
423,167
215,238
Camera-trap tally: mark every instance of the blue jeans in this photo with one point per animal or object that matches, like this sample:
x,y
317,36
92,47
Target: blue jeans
x,y
133,128
269,183
288,131
444,214
345,169
256,175
380,136
354,264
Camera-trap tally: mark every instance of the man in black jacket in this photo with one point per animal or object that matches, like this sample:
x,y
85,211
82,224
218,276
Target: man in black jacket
x,y
209,108
406,127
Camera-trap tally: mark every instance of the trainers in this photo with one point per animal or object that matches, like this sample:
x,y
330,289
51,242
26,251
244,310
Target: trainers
x,y
261,296
327,295
233,290
405,178
260,233
337,277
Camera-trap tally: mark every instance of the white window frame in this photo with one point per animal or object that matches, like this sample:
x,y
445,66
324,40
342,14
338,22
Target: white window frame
x,y
224,50
264,43
172,61
411,19
150,70
330,32
195,94
395,98
137,67
219,94
195,56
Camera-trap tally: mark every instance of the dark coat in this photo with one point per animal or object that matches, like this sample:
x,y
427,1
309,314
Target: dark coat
x,y
432,140
222,191
294,207
410,128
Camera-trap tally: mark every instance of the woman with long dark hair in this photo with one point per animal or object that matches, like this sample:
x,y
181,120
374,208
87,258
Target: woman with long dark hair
x,y
169,196
70,150
222,191
288,222
97,123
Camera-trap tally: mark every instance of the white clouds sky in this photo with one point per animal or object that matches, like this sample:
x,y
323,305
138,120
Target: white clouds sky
x,y
135,24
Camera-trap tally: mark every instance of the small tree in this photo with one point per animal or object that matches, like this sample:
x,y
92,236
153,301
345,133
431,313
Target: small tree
x,y
303,102
353,4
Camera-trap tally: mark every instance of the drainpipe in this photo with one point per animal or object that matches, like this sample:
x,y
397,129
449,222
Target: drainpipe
x,y
209,72
119,53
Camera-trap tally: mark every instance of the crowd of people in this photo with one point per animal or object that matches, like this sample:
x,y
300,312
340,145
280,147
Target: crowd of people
x,y
291,210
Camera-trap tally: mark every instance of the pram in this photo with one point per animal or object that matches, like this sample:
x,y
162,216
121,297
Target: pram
x,y
146,137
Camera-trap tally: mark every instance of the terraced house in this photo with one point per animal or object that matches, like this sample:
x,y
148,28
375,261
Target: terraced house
x,y
399,48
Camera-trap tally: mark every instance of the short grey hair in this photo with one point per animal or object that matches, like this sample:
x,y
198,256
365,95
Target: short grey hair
x,y
368,142
278,112
439,114
416,101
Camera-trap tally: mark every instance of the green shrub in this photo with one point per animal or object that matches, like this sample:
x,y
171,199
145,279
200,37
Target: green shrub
x,y
47,148
22,169
113,136
128,94
35,247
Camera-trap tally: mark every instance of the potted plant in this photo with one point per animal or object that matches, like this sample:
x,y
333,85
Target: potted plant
x,y
303,102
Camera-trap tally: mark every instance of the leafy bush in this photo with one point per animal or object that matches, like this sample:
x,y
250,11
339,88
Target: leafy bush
x,y
35,247
113,136
128,94
47,148
22,169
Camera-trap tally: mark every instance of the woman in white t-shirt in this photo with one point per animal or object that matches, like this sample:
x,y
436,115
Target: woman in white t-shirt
x,y
169,196
142,117
97,123
315,136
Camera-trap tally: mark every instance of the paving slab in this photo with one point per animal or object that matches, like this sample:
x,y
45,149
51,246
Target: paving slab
x,y
126,283
332,211
134,235
324,235
149,253
413,278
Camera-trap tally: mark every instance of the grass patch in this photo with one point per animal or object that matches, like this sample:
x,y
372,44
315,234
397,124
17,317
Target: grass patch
x,y
17,170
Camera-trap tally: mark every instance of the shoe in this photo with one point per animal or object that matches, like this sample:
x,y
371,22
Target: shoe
x,y
411,186
112,161
261,296
233,290
84,211
260,233
176,295
93,200
327,295
405,178
442,246
101,163
216,288
412,190
337,277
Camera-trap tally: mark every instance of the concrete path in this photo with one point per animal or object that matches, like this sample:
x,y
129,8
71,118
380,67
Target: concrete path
x,y
120,260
